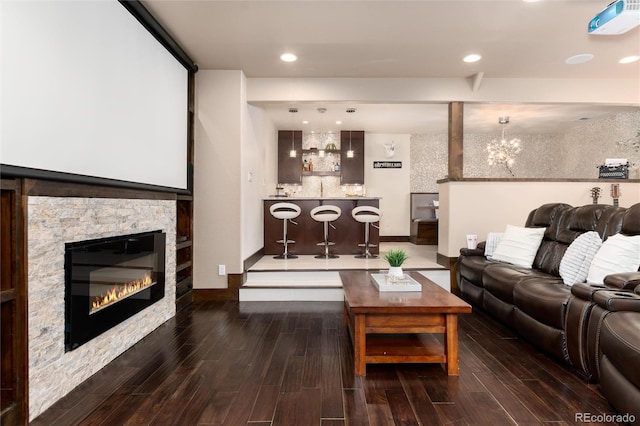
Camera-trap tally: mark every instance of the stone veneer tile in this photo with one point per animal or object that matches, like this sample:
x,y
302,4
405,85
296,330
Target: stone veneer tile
x,y
52,222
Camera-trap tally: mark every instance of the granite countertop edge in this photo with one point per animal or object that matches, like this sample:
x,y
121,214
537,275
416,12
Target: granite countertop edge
x,y
319,198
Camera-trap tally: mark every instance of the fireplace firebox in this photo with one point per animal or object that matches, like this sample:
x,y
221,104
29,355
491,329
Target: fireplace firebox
x,y
109,280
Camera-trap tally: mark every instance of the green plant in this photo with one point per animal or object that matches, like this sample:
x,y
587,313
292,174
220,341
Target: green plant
x,y
396,257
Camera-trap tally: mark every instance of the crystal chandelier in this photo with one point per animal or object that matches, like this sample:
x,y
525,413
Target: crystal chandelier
x,y
503,151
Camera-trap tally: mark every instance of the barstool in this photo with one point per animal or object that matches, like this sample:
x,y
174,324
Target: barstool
x,y
286,212
326,214
367,215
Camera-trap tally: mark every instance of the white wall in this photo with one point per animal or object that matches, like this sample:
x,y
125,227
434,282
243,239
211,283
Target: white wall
x,y
218,176
392,185
482,207
259,174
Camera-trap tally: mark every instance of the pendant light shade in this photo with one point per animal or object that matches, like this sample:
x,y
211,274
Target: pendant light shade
x,y
293,153
350,152
322,133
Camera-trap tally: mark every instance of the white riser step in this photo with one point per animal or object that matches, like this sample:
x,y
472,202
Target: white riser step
x,y
307,285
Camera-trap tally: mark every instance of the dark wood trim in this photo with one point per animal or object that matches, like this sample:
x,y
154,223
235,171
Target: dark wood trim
x,y
234,282
37,187
159,33
451,264
7,295
251,260
456,133
394,239
537,180
9,171
14,298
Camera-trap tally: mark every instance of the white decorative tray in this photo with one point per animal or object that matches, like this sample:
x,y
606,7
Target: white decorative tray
x,y
386,283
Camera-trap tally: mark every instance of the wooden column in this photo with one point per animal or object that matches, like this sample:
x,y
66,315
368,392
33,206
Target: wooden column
x,y
456,113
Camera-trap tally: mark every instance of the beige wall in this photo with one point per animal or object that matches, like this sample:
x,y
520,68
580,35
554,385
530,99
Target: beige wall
x,y
392,185
482,207
217,177
259,174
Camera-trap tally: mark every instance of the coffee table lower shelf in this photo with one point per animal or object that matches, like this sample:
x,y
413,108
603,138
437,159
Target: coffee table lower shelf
x,y
387,339
404,348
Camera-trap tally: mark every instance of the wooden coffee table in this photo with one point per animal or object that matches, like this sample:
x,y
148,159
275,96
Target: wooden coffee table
x,y
399,327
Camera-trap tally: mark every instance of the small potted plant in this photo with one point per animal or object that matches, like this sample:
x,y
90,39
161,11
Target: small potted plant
x,y
396,258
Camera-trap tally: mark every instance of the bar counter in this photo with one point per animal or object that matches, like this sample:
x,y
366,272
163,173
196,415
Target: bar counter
x,y
308,232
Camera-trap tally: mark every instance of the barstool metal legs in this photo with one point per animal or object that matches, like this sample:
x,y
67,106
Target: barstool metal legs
x,y
286,242
367,254
326,244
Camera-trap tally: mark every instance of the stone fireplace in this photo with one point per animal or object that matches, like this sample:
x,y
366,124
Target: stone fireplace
x,y
52,224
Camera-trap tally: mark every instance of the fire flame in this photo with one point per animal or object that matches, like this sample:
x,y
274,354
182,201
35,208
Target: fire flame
x,y
120,291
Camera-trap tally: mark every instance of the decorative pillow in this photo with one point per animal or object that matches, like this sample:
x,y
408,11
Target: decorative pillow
x,y
619,253
519,245
574,266
493,238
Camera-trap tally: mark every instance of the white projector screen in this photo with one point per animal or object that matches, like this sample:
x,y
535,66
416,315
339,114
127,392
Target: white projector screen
x,y
87,90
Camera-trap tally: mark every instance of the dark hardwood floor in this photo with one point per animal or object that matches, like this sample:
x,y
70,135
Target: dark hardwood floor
x,y
291,364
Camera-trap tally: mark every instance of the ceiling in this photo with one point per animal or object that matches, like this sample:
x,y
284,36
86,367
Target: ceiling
x,y
405,39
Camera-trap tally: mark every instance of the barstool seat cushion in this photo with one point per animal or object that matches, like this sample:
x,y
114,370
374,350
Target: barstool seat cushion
x,y
366,214
326,213
285,210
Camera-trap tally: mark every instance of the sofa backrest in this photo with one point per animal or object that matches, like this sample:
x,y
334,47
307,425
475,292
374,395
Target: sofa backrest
x,y
630,224
565,223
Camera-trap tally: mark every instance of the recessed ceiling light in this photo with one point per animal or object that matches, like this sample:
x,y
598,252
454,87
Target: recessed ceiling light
x,y
472,58
629,59
305,122
530,1
288,57
338,122
579,59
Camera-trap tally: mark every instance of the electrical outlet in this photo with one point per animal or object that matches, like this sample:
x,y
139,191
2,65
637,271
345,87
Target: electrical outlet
x,y
222,270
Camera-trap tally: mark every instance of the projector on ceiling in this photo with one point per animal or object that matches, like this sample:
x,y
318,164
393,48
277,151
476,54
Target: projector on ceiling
x,y
617,18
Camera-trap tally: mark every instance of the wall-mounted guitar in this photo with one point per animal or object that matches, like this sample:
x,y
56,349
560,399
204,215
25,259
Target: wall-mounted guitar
x,y
595,194
615,193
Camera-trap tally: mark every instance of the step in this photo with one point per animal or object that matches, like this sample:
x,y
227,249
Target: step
x,y
292,286
308,285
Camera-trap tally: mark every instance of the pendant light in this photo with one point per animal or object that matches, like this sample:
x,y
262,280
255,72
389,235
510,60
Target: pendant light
x,y
503,151
293,152
322,133
350,153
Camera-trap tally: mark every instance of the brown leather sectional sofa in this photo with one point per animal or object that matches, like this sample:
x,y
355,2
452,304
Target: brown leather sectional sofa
x,y
595,328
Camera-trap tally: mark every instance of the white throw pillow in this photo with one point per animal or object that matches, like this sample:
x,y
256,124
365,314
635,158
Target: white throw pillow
x,y
619,253
519,245
493,238
574,266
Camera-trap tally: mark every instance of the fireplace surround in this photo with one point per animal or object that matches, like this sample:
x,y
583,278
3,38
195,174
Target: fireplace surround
x,y
52,222
108,280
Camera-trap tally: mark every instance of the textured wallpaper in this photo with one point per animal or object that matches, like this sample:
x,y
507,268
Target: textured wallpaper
x,y
575,154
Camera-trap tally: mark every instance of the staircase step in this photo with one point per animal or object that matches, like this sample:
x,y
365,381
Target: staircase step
x,y
307,285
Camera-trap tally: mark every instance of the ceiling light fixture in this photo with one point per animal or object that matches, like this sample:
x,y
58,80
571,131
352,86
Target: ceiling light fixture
x,y
579,59
472,58
350,153
293,152
288,57
322,134
628,59
503,152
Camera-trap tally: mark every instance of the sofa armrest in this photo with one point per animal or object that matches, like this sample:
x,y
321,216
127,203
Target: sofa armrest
x,y
617,300
478,251
623,280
